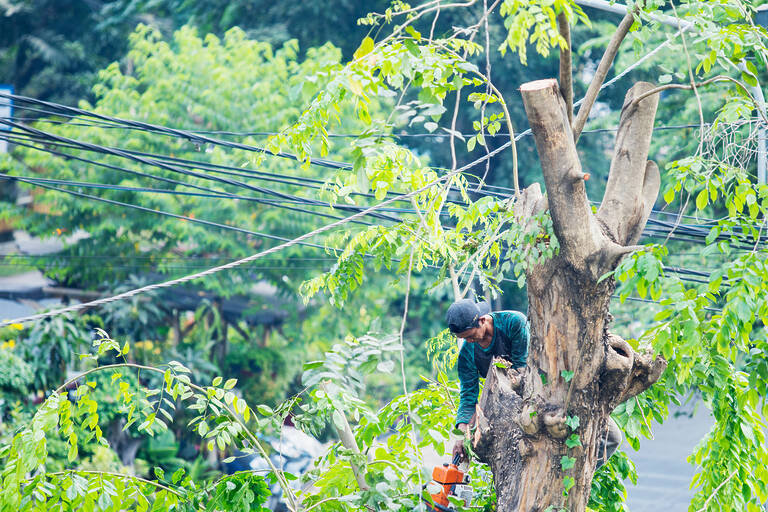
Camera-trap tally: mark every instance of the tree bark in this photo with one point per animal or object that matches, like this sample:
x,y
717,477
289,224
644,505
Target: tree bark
x,y
522,415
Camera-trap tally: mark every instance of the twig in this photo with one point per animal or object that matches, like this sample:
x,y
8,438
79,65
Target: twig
x,y
718,78
324,500
434,22
693,80
714,493
645,420
485,101
566,69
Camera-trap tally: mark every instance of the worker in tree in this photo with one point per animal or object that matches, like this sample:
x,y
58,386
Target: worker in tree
x,y
495,334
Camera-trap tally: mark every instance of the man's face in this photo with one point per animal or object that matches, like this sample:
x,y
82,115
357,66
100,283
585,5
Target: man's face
x,y
472,335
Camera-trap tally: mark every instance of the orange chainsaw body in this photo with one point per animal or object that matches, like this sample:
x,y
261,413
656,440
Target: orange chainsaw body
x,y
447,476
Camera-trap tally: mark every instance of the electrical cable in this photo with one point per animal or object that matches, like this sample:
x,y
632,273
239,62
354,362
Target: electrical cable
x,y
681,228
266,191
429,135
178,133
210,271
173,215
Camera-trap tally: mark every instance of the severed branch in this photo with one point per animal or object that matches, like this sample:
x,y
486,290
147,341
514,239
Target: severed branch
x,y
646,370
633,182
566,71
602,71
574,224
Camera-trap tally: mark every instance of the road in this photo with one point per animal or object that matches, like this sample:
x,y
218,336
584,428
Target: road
x,y
664,475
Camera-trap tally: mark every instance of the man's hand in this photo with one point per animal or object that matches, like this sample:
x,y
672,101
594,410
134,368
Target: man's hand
x,y
458,447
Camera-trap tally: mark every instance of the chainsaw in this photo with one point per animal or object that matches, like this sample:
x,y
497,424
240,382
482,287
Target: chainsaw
x,y
448,480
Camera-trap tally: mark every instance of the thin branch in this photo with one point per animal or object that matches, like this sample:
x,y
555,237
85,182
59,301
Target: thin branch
x,y
566,68
434,21
324,500
692,78
507,118
485,101
402,366
645,420
602,71
410,21
454,282
718,78
714,493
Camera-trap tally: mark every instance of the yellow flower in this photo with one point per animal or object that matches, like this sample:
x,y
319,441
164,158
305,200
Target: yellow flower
x,y
17,326
11,343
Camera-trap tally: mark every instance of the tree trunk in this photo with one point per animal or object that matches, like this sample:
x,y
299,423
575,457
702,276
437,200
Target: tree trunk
x,y
525,417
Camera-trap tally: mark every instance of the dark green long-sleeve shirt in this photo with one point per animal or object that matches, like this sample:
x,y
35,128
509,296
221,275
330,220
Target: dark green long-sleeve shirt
x,y
510,341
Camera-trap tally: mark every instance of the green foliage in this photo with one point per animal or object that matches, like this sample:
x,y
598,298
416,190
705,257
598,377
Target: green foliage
x,y
17,376
608,492
171,83
27,484
52,346
535,22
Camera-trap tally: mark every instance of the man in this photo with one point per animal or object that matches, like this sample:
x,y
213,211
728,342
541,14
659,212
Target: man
x,y
495,334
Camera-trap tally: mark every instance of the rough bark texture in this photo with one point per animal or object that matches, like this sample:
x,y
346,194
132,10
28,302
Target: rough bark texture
x,y
521,416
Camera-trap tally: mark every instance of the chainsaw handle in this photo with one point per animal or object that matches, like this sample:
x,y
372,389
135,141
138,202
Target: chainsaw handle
x,y
456,459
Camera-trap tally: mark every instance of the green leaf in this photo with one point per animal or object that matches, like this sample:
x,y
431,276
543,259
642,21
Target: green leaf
x,y
412,47
568,483
217,381
567,375
702,199
177,475
364,49
567,462
338,421
159,473
471,143
230,383
749,79
669,195
572,422
413,32
573,441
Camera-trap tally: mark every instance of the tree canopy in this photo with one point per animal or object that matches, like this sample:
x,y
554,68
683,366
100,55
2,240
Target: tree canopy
x,y
449,235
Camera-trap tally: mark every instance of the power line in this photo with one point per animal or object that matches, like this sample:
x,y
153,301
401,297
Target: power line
x,y
690,233
230,195
300,239
141,159
173,215
417,135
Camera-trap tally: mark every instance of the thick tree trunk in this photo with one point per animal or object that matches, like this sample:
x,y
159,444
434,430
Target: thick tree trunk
x,y
522,424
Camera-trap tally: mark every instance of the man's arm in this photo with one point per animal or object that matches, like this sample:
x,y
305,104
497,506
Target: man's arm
x,y
469,380
470,387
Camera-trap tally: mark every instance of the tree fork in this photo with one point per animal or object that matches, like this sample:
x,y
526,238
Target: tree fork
x,y
523,416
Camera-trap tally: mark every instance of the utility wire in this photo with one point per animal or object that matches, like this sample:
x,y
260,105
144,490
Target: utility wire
x,y
175,215
417,135
300,239
230,195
